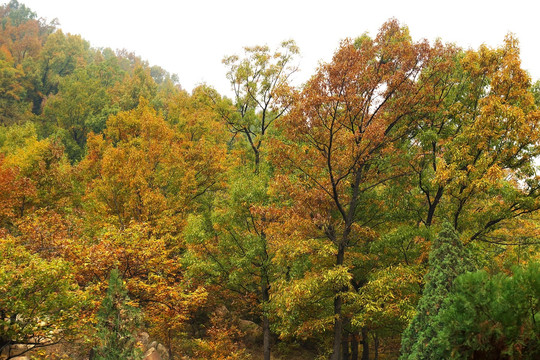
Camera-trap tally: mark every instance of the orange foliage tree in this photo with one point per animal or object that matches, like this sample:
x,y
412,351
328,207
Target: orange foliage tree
x,y
343,136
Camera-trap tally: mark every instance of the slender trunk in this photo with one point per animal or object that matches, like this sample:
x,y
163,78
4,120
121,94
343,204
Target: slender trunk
x,y
265,322
338,328
345,347
338,301
376,343
433,206
169,345
257,160
365,344
354,346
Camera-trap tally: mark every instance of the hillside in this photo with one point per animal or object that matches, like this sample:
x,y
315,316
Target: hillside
x,y
385,209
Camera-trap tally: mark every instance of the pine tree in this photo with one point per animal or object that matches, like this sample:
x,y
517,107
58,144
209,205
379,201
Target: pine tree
x,y
117,321
447,260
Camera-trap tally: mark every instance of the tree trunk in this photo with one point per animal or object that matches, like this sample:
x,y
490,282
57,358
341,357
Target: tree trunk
x,y
345,347
338,301
365,344
265,323
376,343
354,346
433,206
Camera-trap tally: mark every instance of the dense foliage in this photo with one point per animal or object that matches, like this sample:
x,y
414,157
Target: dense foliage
x,y
325,221
447,260
117,323
494,316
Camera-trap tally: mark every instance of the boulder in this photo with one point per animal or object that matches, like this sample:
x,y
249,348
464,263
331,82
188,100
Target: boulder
x,y
152,354
163,352
252,332
143,338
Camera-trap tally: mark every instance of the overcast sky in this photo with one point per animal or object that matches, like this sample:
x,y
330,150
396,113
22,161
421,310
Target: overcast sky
x,y
190,38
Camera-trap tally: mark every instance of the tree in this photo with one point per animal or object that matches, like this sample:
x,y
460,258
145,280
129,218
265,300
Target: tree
x,y
117,323
42,165
473,150
143,177
343,136
13,108
261,91
81,105
447,260
22,34
144,169
231,239
15,194
40,303
137,84
230,244
60,56
493,316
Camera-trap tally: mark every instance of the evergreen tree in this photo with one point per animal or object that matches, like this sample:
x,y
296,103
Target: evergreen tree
x,y
494,316
447,260
117,321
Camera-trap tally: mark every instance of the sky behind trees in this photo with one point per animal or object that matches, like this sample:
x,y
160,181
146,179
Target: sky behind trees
x,y
190,38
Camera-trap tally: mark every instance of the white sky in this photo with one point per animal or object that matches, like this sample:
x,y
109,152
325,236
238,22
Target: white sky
x,y
190,38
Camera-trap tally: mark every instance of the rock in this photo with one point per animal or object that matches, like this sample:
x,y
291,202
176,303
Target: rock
x,y
152,354
144,338
252,332
163,352
221,311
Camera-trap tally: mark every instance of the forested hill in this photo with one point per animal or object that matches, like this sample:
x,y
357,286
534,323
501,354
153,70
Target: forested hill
x,y
385,209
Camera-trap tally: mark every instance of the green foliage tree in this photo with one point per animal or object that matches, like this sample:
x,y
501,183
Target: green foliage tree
x,y
60,56
232,237
494,316
447,260
13,108
117,323
81,105
40,303
260,81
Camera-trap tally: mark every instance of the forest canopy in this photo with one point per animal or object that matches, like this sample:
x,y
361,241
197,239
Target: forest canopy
x,y
385,209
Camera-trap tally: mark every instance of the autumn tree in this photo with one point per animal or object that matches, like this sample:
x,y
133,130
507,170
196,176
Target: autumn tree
x,y
138,83
474,149
143,177
40,300
15,194
145,170
343,135
22,33
42,164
